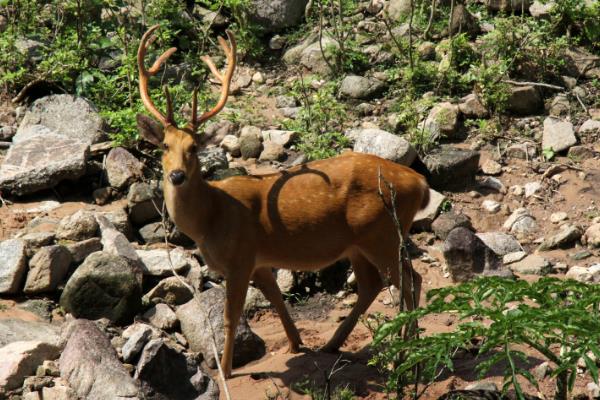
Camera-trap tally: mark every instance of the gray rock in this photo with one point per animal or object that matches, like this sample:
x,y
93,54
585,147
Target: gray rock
x,y
104,286
482,385
451,168
7,132
272,152
523,151
501,243
13,263
491,167
446,222
524,100
589,126
514,257
14,330
294,54
471,107
80,250
463,21
558,135
120,221
41,163
560,106
67,115
277,42
194,325
153,233
467,256
532,188
212,160
90,365
47,269
231,144
21,359
156,262
359,87
424,218
541,10
250,144
144,202
35,240
162,317
396,9
115,243
285,101
167,374
135,343
564,238
385,145
507,5
312,56
443,121
122,168
77,227
255,300
169,290
591,237
521,222
216,131
531,265
582,63
276,15
31,49
283,138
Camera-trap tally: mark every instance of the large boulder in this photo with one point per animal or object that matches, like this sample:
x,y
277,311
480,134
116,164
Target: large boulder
x,y
451,168
41,162
385,145
359,87
197,329
91,366
467,256
63,114
275,15
21,359
104,286
47,269
13,262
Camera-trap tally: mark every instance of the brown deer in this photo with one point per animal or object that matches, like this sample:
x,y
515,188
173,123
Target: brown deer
x,y
304,218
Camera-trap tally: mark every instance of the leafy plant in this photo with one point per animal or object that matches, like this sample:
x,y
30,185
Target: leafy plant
x,y
557,318
309,388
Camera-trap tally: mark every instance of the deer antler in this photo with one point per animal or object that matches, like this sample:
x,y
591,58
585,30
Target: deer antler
x,y
145,75
225,80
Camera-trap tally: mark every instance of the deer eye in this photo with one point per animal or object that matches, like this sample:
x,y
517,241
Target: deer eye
x,y
193,149
165,146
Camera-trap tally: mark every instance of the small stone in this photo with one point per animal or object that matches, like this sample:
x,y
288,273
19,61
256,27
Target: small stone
x,y
48,368
169,290
79,226
558,135
565,237
283,138
520,221
122,168
501,243
593,390
492,183
250,144
443,121
358,87
385,145
47,269
21,359
491,167
591,237
285,280
135,342
524,100
514,257
589,126
14,263
448,221
559,216
471,107
161,262
483,385
272,152
143,202
491,206
231,144
531,265
162,317
532,188
285,102
258,77
541,371
80,250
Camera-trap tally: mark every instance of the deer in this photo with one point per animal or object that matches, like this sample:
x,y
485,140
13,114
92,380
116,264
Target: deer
x,y
304,218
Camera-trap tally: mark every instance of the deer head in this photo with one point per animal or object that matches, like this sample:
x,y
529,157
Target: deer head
x,y
179,145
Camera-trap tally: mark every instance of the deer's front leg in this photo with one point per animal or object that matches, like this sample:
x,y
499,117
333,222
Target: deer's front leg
x,y
237,286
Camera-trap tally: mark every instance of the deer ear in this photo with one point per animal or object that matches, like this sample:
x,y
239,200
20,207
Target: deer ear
x,y
150,130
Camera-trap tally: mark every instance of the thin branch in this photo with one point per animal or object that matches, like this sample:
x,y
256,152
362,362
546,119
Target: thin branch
x,y
544,85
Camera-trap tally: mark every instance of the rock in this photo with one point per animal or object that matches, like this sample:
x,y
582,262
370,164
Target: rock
x,y
63,114
396,9
359,87
90,365
7,133
520,221
489,182
255,300
14,330
471,107
272,152
447,221
524,151
143,202
558,217
482,385
34,240
524,100
162,317
79,226
560,106
531,265
212,160
48,368
20,359
293,55
216,131
120,221
591,237
564,238
580,274
31,49
491,167
285,280
41,163
231,144
443,121
258,77
135,343
13,263
385,145
47,269
285,101
58,392
250,144
593,390
514,257
167,374
500,243
153,233
104,286
558,135
115,243
283,138
156,262
277,42
194,326
541,10
579,153
169,290
276,15
507,5
589,126
463,21
451,168
312,57
582,63
491,206
424,218
122,168
467,256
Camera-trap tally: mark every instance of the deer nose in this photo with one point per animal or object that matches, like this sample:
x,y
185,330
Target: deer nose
x,y
177,177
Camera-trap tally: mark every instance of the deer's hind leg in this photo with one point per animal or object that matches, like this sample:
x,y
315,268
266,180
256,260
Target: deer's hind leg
x,y
369,286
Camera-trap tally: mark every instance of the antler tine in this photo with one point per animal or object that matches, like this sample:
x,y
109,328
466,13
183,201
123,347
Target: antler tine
x,y
230,52
145,74
194,123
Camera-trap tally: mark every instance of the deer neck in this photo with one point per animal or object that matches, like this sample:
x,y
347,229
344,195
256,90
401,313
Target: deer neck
x,y
190,205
